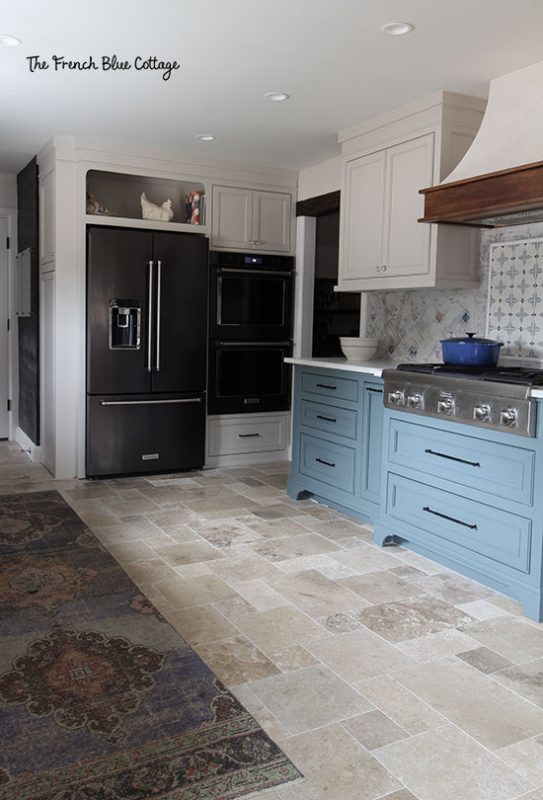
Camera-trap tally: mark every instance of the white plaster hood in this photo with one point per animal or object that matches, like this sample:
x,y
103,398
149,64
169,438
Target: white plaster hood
x,y
499,181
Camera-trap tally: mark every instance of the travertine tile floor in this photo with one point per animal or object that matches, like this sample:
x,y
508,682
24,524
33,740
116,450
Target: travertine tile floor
x,y
381,674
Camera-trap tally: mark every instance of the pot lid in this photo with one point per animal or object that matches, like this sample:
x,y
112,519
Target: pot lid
x,y
470,338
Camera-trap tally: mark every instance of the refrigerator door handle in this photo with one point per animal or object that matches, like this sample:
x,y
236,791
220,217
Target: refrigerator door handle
x,y
149,402
150,318
158,304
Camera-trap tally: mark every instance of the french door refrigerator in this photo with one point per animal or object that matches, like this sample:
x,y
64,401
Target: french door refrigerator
x,y
146,350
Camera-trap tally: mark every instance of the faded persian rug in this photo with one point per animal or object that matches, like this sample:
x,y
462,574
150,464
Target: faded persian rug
x,y
100,698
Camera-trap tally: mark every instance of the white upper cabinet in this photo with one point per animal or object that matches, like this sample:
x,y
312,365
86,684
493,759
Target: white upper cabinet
x,y
382,244
246,219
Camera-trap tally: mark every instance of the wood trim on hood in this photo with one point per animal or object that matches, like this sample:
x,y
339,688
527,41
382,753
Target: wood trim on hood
x,y
508,197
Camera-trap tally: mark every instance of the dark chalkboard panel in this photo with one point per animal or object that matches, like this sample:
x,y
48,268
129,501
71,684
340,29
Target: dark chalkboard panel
x,y
29,344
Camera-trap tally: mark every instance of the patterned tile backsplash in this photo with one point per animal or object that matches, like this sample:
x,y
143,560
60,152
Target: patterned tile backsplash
x,y
410,324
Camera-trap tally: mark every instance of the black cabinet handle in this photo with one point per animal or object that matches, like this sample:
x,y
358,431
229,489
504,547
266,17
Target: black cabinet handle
x,y
326,386
452,458
326,419
377,391
328,463
450,519
247,435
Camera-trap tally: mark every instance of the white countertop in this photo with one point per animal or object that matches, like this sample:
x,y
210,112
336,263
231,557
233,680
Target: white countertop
x,y
369,367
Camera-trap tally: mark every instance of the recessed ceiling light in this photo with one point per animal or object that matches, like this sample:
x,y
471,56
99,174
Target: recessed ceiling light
x,y
277,97
205,137
9,41
397,28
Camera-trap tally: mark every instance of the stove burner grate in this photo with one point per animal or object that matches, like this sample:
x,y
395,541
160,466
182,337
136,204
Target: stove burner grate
x,y
526,376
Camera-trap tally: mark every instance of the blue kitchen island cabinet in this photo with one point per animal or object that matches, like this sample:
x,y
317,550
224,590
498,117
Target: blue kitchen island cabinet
x,y
470,499
337,438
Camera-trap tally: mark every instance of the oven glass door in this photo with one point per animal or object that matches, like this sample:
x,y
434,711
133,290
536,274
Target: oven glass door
x,y
246,377
251,304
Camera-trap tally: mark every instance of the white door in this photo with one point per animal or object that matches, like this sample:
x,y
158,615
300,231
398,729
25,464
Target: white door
x,y
271,221
362,214
407,241
231,225
4,361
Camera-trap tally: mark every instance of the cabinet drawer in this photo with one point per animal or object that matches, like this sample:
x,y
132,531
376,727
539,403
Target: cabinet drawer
x,y
498,469
333,464
232,435
482,529
330,419
340,388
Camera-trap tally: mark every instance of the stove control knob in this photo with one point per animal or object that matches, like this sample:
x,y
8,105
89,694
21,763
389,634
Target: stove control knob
x,y
415,401
396,398
445,406
481,413
509,417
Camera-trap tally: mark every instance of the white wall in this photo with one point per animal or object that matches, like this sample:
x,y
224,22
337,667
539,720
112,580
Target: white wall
x,y
8,191
320,178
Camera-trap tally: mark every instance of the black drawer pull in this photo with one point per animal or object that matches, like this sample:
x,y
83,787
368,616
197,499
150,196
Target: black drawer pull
x,y
377,391
247,435
326,419
451,519
326,386
328,463
452,458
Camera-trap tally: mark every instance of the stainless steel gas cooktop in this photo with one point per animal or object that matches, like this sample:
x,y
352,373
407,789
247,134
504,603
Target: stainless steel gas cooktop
x,y
489,397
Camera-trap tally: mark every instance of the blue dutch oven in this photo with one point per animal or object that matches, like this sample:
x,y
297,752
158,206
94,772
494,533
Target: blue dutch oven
x,y
471,351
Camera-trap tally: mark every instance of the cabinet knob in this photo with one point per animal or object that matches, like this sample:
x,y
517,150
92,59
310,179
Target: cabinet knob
x,y
383,268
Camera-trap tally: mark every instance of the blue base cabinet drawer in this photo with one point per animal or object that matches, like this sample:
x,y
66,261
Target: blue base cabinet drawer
x,y
334,386
329,419
504,470
483,529
333,464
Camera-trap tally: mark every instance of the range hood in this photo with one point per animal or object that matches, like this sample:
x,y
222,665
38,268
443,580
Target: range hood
x,y
499,181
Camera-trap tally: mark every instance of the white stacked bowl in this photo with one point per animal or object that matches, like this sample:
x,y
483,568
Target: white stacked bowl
x,y
358,348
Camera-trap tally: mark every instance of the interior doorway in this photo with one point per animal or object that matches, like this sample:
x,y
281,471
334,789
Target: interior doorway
x,y
4,337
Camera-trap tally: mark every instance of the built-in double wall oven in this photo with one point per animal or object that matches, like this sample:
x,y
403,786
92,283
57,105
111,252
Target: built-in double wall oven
x,y
250,332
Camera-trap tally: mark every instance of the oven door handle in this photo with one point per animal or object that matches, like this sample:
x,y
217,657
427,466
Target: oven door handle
x,y
260,343
222,270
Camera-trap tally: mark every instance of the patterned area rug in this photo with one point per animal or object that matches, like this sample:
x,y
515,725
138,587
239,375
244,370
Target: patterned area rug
x,y
100,699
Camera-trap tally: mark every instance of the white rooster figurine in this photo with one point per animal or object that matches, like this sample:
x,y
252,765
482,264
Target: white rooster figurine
x,y
151,211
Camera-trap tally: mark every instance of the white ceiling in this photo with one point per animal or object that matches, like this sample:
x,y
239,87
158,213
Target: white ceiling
x,y
329,55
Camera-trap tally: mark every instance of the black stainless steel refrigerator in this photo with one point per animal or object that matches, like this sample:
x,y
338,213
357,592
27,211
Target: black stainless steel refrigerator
x,y
146,350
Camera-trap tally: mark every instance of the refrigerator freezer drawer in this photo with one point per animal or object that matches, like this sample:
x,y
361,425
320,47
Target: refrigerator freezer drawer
x,y
144,433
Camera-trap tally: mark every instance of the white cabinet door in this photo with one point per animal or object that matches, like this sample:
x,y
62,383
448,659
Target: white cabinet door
x,y
407,242
232,221
362,218
271,221
47,219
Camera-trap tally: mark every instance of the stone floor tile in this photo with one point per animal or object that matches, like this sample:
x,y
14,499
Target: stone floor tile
x,y
493,715
322,563
512,637
452,588
403,794
201,625
245,567
526,758
336,767
482,609
188,553
277,628
194,592
445,763
291,658
306,544
381,587
436,645
400,705
365,558
409,619
236,660
374,729
338,623
125,552
309,698
152,571
359,654
259,594
485,660
526,680
316,594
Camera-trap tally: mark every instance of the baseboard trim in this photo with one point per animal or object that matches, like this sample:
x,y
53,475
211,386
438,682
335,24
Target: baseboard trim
x,y
26,444
246,459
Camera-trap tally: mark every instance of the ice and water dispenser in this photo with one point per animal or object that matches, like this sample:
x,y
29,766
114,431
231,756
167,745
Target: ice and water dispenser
x,y
124,324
